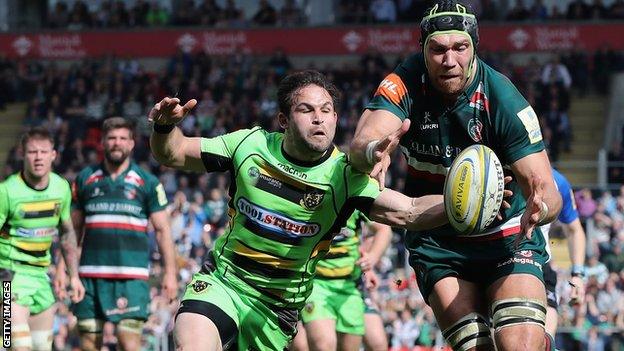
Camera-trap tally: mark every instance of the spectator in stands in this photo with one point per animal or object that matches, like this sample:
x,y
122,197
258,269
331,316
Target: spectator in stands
x,y
596,270
616,10
156,15
556,72
519,12
290,15
585,204
59,17
210,13
614,260
577,10
597,10
354,11
383,11
538,11
266,15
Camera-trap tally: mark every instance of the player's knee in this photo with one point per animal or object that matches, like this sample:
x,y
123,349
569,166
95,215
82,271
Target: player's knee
x,y
519,323
322,342
41,340
132,326
20,337
471,331
90,326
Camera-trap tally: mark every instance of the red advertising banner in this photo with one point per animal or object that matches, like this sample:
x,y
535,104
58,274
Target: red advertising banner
x,y
304,41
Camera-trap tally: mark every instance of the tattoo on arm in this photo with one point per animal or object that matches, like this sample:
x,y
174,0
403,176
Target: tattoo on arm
x,y
69,247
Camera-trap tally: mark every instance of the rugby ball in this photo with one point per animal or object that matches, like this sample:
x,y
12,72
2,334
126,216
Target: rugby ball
x,y
473,190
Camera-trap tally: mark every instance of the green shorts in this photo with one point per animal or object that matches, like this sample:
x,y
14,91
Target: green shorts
x,y
32,290
244,322
338,300
113,299
481,262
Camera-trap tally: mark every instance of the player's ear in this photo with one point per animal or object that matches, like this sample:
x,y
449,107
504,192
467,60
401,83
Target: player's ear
x,y
282,119
53,155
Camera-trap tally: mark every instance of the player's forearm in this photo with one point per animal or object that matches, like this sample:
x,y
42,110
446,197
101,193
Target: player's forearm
x,y
69,248
381,241
576,242
167,148
397,210
165,245
553,203
357,153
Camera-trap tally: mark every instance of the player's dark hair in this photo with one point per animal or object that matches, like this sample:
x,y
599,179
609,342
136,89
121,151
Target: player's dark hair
x,y
36,133
117,123
290,85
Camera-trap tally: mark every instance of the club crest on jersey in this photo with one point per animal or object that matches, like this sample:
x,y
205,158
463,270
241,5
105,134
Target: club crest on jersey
x,y
130,192
122,303
479,100
474,129
309,307
200,286
312,200
253,172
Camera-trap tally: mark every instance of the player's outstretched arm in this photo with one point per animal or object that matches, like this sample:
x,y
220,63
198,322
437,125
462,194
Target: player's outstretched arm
x,y
377,135
535,178
398,210
576,247
169,146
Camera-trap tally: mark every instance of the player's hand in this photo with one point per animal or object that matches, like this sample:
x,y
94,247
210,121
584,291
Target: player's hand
x,y
170,286
530,217
371,281
78,290
382,152
169,111
60,282
577,293
366,261
506,193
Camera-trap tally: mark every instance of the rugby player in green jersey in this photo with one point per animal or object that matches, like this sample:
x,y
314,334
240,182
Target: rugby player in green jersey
x,y
112,205
34,205
334,314
290,194
435,104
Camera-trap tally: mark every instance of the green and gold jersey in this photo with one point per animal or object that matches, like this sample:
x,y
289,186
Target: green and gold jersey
x,y
339,262
490,111
283,212
116,213
29,219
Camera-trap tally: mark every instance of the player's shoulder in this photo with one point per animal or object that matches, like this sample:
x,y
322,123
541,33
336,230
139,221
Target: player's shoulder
x,y
89,171
412,66
500,85
139,175
11,179
57,180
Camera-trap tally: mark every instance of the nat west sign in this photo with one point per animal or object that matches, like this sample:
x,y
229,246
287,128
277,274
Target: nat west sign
x,y
303,41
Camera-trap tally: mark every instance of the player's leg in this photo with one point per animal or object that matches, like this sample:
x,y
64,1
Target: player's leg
x,y
460,312
300,342
90,323
129,333
42,313
319,317
518,312
550,280
41,329
207,319
349,342
21,339
350,317
196,332
375,338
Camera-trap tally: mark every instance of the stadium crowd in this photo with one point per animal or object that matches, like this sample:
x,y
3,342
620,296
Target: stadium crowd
x,y
240,91
79,15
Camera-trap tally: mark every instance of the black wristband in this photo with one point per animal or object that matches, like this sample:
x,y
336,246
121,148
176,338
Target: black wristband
x,y
163,128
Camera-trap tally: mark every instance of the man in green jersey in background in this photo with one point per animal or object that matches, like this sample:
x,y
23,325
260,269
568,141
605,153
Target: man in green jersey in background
x,y
334,313
113,203
34,205
290,194
434,105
